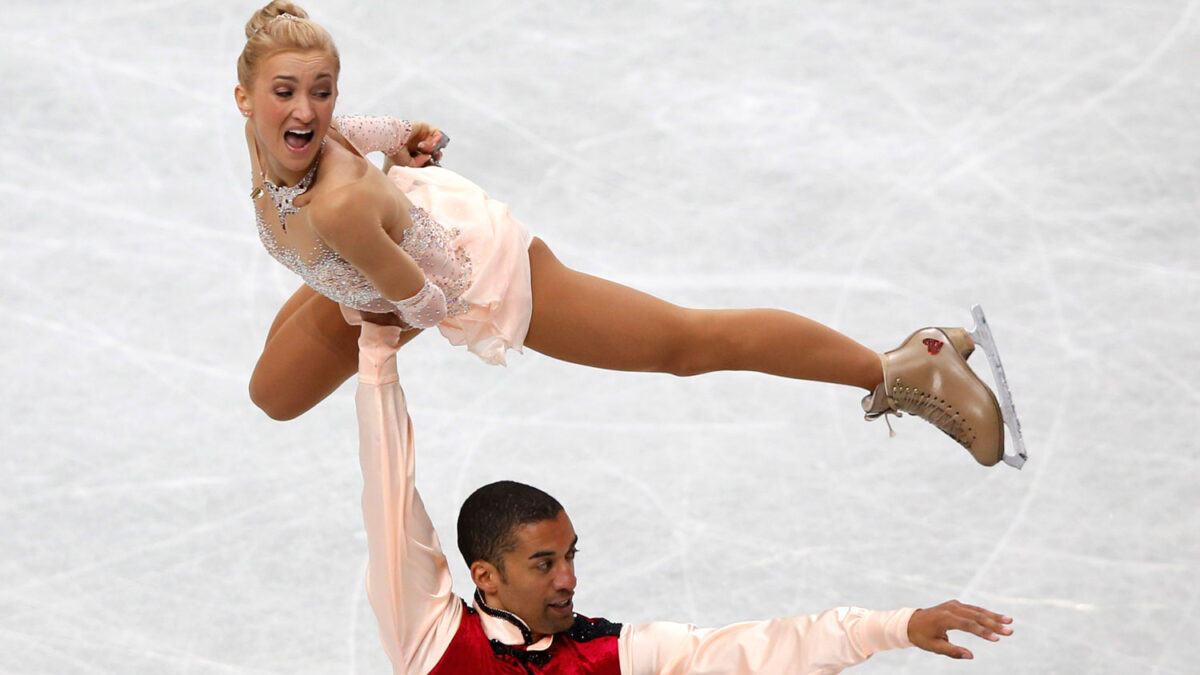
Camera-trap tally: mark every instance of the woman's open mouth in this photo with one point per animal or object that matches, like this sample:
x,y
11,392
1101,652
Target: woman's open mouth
x,y
298,140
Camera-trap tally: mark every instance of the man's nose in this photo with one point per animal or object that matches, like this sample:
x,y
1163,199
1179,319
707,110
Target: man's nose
x,y
565,580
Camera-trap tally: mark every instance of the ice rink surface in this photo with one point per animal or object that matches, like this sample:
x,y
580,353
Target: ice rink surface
x,y
876,166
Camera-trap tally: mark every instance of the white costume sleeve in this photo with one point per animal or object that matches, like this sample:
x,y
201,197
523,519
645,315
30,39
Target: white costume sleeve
x,y
408,581
425,309
823,643
369,134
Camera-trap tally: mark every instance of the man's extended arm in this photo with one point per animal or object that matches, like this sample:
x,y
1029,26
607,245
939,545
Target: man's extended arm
x,y
822,643
408,581
819,644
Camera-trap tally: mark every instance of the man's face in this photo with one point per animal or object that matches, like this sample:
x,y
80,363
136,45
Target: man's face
x,y
538,582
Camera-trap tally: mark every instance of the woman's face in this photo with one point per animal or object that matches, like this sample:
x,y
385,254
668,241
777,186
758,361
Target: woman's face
x,y
290,106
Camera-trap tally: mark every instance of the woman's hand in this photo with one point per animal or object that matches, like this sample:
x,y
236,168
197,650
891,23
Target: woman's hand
x,y
927,628
423,148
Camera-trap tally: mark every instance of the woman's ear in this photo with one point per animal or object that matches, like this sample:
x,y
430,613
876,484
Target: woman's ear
x,y
242,98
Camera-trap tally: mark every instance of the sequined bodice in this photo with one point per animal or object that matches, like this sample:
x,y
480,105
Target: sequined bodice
x,y
430,245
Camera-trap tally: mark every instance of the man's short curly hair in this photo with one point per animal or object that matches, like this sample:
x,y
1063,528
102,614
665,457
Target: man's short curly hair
x,y
489,519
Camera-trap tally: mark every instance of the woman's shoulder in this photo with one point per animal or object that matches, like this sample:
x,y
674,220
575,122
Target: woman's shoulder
x,y
345,194
341,168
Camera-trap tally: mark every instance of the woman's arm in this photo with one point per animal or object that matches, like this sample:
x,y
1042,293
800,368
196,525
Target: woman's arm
x,y
404,143
375,134
351,222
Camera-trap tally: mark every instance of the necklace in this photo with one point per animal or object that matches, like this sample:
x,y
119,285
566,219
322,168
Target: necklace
x,y
284,196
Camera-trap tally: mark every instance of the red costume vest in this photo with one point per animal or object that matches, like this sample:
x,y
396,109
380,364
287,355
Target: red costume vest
x,y
588,648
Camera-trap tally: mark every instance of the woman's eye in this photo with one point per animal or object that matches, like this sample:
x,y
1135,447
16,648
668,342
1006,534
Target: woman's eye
x,y
324,94
283,93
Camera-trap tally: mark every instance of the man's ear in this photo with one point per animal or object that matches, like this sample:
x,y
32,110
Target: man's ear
x,y
486,576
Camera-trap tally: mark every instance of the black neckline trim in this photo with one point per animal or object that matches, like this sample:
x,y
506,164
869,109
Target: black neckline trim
x,y
507,616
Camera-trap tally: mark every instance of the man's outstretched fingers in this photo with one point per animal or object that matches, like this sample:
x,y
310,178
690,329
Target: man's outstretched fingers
x,y
928,628
986,623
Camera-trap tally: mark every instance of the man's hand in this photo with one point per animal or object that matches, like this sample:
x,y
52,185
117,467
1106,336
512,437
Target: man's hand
x,y
381,319
927,628
357,318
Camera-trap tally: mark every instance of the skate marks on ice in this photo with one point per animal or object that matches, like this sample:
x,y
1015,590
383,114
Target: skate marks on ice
x,y
875,167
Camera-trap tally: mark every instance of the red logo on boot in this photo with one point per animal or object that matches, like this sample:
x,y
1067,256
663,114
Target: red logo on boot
x,y
934,346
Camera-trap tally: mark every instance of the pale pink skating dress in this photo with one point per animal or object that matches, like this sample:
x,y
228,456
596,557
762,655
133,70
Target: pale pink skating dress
x,y
496,246
467,243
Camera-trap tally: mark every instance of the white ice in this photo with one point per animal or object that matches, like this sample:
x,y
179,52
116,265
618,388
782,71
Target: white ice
x,y
876,166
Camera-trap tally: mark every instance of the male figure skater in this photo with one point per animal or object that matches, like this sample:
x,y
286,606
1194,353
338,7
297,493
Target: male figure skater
x,y
520,546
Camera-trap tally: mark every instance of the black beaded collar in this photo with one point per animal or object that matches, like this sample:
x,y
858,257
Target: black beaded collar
x,y
507,616
583,630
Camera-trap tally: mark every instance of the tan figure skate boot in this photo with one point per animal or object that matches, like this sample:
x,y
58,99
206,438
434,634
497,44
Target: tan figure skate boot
x,y
928,376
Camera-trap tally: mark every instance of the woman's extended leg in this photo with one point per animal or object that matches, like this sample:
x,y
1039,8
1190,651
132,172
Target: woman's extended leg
x,y
585,319
310,352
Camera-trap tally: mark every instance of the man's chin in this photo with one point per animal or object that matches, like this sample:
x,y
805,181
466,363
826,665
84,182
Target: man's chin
x,y
558,624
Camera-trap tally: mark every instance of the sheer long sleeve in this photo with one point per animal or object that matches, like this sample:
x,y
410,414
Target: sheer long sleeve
x,y
425,309
370,134
820,644
408,580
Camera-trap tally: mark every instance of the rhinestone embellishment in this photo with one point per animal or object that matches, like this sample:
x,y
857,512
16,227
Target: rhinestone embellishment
x,y
430,244
285,196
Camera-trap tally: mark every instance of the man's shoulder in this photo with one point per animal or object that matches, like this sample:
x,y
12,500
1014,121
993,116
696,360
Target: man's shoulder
x,y
586,629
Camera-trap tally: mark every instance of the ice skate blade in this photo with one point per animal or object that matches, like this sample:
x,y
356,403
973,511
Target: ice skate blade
x,y
983,337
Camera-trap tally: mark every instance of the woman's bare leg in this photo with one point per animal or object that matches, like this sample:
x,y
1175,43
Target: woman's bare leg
x,y
301,296
310,352
585,319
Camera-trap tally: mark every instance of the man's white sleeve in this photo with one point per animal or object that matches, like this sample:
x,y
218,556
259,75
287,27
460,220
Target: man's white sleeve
x,y
408,581
822,643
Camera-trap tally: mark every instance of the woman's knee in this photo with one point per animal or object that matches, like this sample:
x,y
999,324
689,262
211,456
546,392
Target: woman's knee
x,y
305,361
271,398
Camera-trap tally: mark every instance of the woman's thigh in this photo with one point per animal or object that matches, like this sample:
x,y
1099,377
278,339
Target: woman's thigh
x,y
310,352
584,319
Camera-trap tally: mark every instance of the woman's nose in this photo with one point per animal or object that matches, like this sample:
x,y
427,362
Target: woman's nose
x,y
303,112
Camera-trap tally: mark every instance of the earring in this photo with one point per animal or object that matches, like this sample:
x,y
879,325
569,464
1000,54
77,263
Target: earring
x,y
245,113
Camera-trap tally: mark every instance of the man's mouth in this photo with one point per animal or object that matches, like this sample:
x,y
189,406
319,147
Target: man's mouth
x,y
564,607
298,139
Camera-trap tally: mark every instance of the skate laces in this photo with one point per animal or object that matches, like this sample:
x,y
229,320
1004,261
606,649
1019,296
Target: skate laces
x,y
931,409
877,404
891,431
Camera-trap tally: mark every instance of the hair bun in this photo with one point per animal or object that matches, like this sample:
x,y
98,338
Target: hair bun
x,y
267,34
269,13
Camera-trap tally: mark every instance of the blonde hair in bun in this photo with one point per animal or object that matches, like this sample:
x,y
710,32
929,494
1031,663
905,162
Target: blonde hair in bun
x,y
278,27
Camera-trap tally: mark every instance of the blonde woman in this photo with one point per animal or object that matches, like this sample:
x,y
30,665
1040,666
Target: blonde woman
x,y
423,247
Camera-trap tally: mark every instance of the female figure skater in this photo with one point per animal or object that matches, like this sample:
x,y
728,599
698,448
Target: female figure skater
x,y
429,248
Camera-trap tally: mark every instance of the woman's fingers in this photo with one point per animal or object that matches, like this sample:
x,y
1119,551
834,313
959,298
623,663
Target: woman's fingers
x,y
431,148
